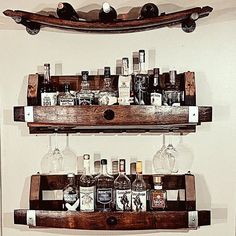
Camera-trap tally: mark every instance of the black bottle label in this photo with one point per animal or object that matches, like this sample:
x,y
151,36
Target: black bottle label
x,y
104,195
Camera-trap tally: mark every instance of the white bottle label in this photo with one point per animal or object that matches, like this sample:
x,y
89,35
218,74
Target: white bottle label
x,y
139,200
87,198
71,201
123,200
104,195
107,99
67,102
124,90
156,99
48,99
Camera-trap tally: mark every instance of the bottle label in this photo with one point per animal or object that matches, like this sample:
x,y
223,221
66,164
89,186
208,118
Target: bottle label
x,y
67,102
140,89
104,195
71,201
84,101
123,200
107,99
48,99
139,200
124,89
87,198
158,200
156,99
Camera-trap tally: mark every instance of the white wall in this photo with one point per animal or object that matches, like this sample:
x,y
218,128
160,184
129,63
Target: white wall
x,y
210,51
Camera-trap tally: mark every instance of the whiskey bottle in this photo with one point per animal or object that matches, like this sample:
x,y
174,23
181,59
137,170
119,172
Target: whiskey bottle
x,y
71,194
156,91
107,95
48,91
104,191
141,82
87,187
157,195
65,11
107,13
149,10
85,96
122,186
139,190
66,98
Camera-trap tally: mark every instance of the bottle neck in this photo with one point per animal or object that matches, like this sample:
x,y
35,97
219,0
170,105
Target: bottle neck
x,y
139,176
155,80
71,181
172,77
86,167
46,75
142,67
104,169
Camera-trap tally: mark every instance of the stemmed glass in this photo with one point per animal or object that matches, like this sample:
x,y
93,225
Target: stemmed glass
x,y
45,162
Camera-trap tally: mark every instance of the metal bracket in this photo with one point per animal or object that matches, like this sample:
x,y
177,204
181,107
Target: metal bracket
x,y
31,217
29,115
193,219
193,114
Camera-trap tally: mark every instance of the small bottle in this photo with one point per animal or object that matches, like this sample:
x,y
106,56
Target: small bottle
x,y
107,13
156,91
139,190
48,91
107,95
122,186
66,12
66,98
87,187
149,10
71,194
104,191
85,96
157,195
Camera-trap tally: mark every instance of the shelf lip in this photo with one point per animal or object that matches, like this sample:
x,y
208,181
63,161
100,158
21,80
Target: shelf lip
x,y
120,26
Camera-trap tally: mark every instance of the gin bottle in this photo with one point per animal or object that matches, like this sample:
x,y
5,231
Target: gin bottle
x,y
156,91
66,98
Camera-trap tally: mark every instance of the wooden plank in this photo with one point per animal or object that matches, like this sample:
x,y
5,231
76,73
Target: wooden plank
x,y
189,89
190,192
35,192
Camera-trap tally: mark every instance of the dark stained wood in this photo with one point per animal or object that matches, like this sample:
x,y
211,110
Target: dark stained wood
x,y
35,192
114,27
190,193
189,89
112,220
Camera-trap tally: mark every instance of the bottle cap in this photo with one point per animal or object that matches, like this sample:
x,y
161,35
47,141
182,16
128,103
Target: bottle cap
x,y
142,56
86,157
139,167
47,65
156,71
107,72
106,7
104,162
122,165
71,175
157,179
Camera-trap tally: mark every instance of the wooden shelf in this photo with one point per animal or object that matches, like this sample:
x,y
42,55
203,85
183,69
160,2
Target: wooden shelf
x,y
33,21
115,119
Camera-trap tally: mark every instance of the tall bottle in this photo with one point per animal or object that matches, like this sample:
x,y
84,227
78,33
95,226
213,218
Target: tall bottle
x,y
87,187
122,186
149,10
107,95
141,82
156,90
107,13
65,11
71,194
48,91
139,190
104,191
66,98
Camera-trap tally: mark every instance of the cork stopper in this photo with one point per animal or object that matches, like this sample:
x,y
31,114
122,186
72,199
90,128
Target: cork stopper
x,y
139,167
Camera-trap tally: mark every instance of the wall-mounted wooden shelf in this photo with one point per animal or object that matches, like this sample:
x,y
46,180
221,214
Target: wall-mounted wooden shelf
x,y
34,21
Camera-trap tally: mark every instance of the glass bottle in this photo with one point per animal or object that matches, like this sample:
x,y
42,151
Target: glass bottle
x,y
66,98
157,195
107,95
66,11
156,90
71,194
139,190
141,82
104,191
85,96
122,186
149,10
48,91
87,187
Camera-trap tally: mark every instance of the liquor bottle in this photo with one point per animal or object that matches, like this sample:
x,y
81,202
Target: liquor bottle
x,y
87,187
66,98
107,13
157,195
141,82
66,12
122,186
48,91
156,91
124,84
85,96
71,194
104,191
172,93
139,190
149,10
107,95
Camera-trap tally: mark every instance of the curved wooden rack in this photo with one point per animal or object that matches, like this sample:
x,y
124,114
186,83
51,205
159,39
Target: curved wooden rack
x,y
34,21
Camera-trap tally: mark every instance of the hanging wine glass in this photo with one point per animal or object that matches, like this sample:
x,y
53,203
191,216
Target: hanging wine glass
x,y
45,161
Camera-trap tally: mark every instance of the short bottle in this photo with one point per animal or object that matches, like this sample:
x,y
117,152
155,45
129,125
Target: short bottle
x,y
66,98
107,13
157,195
149,10
122,186
87,187
156,90
71,194
139,190
65,11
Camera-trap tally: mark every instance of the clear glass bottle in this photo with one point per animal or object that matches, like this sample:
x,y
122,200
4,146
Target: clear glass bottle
x,y
156,90
87,187
66,98
141,82
122,186
139,190
157,195
85,96
104,189
107,95
71,194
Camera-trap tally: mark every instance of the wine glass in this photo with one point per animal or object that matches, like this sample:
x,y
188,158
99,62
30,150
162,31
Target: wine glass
x,y
160,162
45,161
